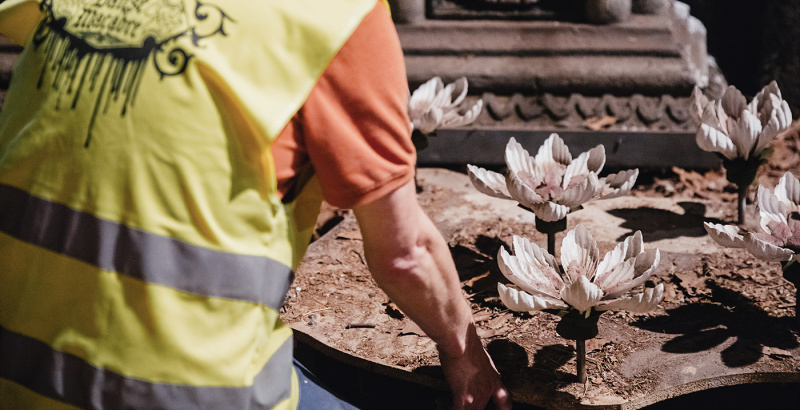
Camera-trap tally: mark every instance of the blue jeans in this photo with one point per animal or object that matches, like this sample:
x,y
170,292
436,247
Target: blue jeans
x,y
314,395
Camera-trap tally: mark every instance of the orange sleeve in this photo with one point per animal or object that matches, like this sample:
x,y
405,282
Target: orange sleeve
x,y
354,126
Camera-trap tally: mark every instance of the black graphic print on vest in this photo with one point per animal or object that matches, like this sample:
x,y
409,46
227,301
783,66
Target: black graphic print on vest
x,y
106,45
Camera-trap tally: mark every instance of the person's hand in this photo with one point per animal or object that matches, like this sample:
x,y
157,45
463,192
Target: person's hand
x,y
473,379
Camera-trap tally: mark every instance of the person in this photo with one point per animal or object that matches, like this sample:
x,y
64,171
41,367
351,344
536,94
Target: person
x,y
162,163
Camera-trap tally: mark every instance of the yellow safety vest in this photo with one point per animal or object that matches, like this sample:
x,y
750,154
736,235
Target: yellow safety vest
x,y
144,253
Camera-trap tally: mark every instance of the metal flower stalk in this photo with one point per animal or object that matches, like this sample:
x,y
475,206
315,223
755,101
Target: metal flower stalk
x,y
777,238
740,133
552,184
582,286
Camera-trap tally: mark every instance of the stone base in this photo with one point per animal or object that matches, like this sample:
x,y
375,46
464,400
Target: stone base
x,y
644,150
625,85
648,54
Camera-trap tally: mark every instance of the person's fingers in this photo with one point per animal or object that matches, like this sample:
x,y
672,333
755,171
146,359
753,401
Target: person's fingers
x,y
501,399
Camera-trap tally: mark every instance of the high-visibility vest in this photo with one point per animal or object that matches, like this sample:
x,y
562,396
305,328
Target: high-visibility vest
x,y
144,252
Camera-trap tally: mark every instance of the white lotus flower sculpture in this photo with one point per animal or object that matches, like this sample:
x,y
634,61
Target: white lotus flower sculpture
x,y
740,133
434,105
779,220
583,286
552,183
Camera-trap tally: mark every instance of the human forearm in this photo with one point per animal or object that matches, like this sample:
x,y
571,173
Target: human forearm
x,y
421,279
410,261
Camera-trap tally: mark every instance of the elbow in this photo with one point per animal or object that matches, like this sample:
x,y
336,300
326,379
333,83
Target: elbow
x,y
406,264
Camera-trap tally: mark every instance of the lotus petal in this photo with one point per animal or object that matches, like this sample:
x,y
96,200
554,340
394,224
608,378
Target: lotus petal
x,y
772,88
643,266
610,260
744,133
733,102
428,122
488,182
549,175
764,250
524,302
579,254
713,140
725,235
582,294
774,105
770,130
534,275
647,262
634,245
619,274
444,97
771,210
550,211
597,159
555,150
619,184
579,194
714,116
460,88
533,255
699,103
519,162
721,117
521,192
577,168
454,119
422,98
788,192
756,105
627,249
784,115
639,303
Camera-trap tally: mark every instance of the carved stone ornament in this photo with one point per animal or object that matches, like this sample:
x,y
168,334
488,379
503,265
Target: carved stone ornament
x,y
594,11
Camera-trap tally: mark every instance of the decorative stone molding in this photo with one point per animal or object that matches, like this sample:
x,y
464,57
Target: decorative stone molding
x,y
633,113
596,11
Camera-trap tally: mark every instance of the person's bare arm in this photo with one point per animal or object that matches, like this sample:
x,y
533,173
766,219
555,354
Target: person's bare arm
x,y
410,261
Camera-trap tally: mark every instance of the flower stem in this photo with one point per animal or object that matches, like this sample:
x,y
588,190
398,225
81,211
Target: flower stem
x,y
742,191
580,348
551,229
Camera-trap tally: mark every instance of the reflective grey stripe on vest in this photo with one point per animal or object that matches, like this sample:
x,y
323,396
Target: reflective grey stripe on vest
x,y
141,255
69,379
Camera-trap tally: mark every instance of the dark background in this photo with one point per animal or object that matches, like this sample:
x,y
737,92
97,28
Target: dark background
x,y
755,42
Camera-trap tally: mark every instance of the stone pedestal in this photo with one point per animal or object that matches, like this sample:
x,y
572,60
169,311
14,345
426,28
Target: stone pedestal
x,y
539,75
608,11
650,6
407,11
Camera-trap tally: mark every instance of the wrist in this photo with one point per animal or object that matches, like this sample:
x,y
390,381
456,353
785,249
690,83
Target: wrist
x,y
466,340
